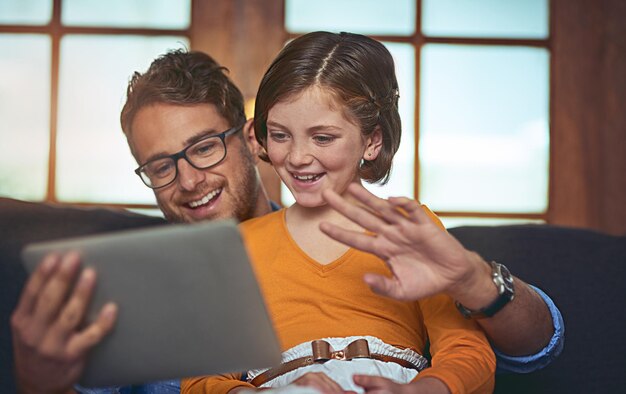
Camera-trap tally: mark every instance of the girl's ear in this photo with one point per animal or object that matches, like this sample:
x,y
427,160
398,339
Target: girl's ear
x,y
251,142
373,144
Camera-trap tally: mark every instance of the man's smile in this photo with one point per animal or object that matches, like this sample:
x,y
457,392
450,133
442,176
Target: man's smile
x,y
206,199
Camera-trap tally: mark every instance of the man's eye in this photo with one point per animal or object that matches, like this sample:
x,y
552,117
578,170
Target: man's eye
x,y
160,169
204,148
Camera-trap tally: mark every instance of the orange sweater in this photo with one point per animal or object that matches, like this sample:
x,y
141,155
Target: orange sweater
x,y
309,301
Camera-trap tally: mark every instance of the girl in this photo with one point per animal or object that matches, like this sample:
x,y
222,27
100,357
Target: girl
x,y
327,116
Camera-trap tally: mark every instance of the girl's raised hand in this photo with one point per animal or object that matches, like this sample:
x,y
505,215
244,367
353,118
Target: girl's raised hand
x,y
424,259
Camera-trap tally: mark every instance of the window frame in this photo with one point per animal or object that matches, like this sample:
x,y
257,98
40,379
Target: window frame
x,y
418,39
55,30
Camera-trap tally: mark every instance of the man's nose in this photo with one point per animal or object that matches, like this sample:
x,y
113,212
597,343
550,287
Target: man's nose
x,y
188,176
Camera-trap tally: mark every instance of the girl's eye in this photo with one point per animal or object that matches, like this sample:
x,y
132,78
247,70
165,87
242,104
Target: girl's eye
x,y
324,139
278,136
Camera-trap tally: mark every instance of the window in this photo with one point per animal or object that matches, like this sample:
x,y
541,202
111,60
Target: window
x,y
474,77
474,100
70,62
24,115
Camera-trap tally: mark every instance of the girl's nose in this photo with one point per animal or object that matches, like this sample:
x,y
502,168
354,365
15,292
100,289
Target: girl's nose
x,y
299,155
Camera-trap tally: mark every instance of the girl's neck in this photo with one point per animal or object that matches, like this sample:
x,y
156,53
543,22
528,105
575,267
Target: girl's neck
x,y
303,226
300,214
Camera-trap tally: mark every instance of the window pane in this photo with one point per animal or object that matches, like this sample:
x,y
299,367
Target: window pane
x,y
485,18
25,12
484,128
451,222
147,211
24,115
401,181
94,162
356,16
166,14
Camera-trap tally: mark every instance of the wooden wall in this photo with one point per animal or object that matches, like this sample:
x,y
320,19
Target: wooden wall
x,y
588,127
244,36
588,176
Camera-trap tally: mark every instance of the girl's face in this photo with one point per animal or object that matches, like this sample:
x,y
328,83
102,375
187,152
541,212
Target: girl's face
x,y
314,147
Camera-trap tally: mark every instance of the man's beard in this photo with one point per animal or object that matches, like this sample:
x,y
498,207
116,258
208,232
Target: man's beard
x,y
243,202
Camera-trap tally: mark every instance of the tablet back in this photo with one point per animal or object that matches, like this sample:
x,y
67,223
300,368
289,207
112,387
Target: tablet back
x,y
189,303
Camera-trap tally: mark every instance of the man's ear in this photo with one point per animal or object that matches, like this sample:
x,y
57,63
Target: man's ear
x,y
373,144
251,142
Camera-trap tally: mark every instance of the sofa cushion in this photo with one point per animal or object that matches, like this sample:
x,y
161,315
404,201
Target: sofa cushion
x,y
24,222
583,272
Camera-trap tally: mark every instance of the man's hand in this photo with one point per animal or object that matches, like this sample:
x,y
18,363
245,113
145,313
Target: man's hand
x,y
49,348
424,259
380,385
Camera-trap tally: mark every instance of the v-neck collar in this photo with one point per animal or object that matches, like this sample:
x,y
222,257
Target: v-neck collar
x,y
316,265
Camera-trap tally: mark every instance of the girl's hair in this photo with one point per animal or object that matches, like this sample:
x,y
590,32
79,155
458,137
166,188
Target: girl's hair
x,y
357,70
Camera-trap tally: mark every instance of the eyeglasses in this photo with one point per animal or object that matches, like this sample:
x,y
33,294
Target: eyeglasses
x,y
202,154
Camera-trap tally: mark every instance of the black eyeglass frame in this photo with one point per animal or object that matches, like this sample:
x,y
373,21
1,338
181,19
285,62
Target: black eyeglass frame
x,y
182,154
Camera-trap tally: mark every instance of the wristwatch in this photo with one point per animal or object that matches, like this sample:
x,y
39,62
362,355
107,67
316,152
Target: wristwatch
x,y
503,280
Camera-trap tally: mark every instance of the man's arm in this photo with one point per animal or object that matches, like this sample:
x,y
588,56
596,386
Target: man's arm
x,y
49,349
522,327
538,360
426,260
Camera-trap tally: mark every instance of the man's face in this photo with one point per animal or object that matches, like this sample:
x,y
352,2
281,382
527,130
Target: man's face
x,y
230,189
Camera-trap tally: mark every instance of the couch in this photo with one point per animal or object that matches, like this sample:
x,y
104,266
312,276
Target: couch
x,y
583,271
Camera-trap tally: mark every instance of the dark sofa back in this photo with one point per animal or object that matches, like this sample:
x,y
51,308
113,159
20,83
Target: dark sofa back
x,y
583,272
23,222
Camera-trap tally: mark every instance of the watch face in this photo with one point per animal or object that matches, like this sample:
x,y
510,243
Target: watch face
x,y
503,280
506,277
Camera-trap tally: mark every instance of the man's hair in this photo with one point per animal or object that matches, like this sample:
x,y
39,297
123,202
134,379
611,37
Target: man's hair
x,y
357,70
183,78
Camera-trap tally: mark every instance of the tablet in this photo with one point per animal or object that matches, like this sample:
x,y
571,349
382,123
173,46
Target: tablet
x,y
189,303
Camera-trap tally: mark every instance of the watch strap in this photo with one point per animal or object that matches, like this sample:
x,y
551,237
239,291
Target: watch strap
x,y
503,281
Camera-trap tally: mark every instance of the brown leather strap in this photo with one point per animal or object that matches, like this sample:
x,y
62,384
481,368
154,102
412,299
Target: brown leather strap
x,y
282,369
392,359
322,352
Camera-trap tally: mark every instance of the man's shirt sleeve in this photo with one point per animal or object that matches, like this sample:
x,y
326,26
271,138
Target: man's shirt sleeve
x,y
164,387
527,364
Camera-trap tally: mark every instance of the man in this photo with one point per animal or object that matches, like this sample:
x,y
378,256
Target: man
x,y
172,110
